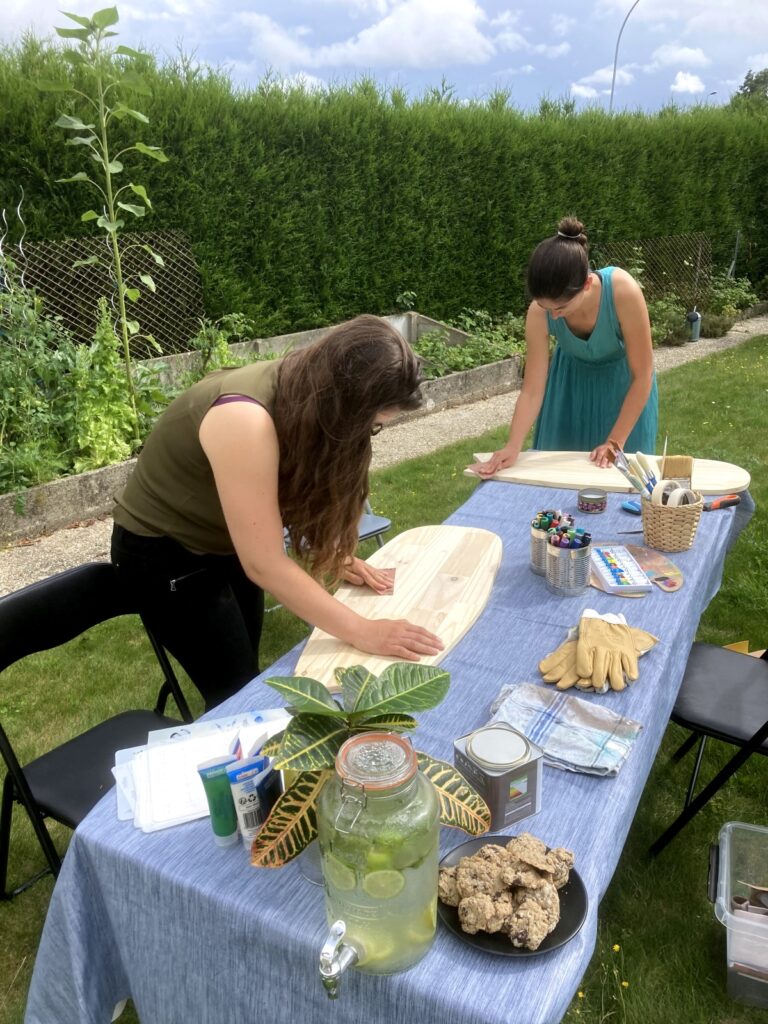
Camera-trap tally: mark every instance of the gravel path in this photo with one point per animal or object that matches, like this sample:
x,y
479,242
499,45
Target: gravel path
x,y
26,562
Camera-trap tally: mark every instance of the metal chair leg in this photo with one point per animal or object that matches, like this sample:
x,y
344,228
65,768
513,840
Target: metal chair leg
x,y
43,837
693,808
6,816
685,746
695,773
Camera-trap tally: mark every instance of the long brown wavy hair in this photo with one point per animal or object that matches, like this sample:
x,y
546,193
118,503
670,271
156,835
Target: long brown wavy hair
x,y
328,396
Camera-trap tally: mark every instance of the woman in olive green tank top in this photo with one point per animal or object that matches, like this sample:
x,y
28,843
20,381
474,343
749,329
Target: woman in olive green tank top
x,y
198,533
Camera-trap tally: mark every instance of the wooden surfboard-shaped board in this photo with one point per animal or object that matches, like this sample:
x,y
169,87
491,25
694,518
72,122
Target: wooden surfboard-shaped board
x,y
444,576
573,470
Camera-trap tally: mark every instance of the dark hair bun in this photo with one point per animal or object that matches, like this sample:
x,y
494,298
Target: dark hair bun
x,y
572,229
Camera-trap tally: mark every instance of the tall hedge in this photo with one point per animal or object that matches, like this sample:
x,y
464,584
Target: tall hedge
x,y
305,208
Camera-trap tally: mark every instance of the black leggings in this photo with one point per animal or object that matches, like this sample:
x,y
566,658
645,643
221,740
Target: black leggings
x,y
202,608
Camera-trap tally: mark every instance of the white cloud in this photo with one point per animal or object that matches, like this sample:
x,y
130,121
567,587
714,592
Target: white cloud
x,y
758,61
584,92
525,69
694,18
604,76
670,55
415,33
687,83
561,24
505,19
274,44
551,51
513,38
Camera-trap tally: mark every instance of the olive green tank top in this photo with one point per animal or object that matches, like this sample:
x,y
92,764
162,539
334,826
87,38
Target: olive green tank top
x,y
172,492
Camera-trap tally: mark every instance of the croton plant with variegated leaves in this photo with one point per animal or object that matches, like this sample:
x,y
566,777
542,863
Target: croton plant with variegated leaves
x,y
320,723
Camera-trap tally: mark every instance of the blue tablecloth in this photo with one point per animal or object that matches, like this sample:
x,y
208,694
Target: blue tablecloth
x,y
192,933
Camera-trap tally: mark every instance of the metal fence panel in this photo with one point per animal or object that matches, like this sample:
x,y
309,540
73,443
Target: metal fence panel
x,y
170,314
673,263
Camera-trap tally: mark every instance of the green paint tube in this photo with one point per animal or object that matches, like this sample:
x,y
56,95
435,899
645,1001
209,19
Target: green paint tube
x,y
219,794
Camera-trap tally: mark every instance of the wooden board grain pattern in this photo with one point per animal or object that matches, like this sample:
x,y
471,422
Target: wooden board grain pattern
x,y
573,470
443,580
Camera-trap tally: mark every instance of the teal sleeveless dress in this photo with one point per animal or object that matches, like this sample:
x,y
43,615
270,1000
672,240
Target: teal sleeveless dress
x,y
587,383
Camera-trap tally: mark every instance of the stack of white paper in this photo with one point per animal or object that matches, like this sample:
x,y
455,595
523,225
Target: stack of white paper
x,y
158,784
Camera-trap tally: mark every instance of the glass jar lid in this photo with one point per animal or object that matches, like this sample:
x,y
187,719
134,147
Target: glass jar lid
x,y
376,760
498,747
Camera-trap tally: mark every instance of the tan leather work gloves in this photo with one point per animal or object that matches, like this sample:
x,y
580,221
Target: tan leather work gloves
x,y
604,655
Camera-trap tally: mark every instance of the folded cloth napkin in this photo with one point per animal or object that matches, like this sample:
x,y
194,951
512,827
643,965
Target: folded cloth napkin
x,y
575,735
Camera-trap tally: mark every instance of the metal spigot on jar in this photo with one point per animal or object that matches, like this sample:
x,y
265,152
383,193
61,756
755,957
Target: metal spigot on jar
x,y
378,831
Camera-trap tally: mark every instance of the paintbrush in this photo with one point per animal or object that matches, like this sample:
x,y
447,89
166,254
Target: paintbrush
x,y
619,459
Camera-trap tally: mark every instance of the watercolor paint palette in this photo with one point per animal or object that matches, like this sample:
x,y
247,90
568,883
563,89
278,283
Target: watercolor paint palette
x,y
618,571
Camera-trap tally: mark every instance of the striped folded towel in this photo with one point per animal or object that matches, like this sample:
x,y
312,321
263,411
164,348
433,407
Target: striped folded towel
x,y
575,735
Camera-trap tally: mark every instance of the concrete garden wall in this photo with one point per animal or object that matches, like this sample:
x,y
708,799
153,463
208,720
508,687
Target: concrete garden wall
x,y
411,325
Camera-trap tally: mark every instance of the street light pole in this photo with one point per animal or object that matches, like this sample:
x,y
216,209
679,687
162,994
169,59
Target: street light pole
x,y
616,54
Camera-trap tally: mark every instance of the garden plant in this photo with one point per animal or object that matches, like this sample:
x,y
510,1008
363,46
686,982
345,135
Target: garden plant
x,y
100,80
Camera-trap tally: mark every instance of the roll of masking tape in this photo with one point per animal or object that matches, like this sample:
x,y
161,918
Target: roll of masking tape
x,y
661,492
681,496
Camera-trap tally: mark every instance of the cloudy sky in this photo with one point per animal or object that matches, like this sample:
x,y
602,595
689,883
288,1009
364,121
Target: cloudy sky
x,y
684,51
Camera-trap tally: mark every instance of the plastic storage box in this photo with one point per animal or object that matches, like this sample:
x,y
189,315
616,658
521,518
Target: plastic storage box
x,y
739,888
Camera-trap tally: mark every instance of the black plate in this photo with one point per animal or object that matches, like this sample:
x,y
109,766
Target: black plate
x,y
573,909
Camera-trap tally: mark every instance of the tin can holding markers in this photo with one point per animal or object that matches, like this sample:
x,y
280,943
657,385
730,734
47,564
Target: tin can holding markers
x,y
541,524
568,569
538,551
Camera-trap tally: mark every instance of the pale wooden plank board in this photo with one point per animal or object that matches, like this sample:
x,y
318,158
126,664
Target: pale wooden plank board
x,y
573,470
444,578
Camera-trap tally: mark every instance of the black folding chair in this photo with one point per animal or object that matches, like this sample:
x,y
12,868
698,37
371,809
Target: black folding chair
x,y
68,780
724,694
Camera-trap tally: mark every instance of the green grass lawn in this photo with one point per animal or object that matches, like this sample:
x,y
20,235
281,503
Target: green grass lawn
x,y
671,949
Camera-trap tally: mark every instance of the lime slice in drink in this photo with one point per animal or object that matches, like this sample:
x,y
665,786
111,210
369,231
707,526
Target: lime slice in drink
x,y
376,951
378,859
383,885
422,928
338,874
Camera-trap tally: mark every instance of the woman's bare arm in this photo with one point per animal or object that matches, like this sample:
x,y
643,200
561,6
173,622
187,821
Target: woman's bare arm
x,y
240,442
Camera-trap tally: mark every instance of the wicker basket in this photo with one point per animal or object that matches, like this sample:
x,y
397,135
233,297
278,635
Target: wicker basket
x,y
670,528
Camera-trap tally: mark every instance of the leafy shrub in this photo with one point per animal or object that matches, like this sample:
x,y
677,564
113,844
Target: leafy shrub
x,y
213,342
63,406
301,214
104,421
668,323
491,339
716,325
36,415
727,295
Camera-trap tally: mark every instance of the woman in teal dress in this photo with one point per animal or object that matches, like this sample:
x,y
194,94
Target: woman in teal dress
x,y
599,391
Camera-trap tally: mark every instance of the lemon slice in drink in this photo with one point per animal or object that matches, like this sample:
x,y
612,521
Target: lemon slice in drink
x,y
375,954
384,885
422,929
338,874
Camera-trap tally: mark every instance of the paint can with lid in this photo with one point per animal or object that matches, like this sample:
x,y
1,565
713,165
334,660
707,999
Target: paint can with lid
x,y
592,500
504,766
